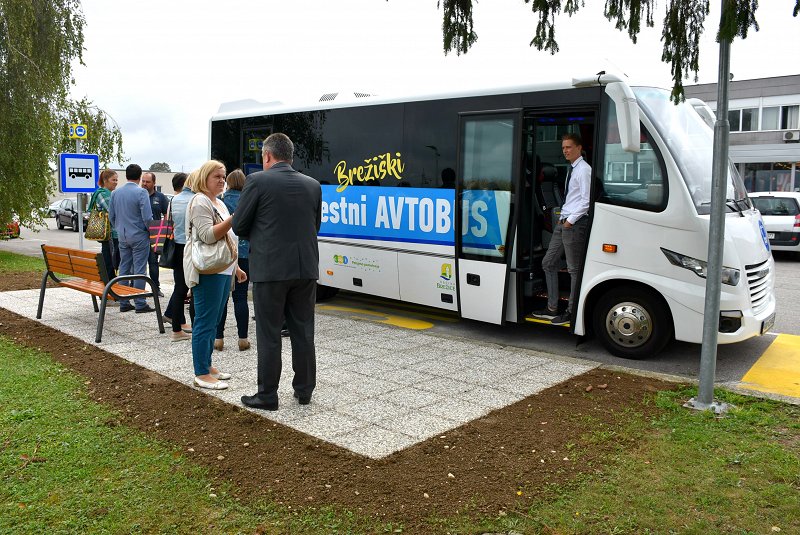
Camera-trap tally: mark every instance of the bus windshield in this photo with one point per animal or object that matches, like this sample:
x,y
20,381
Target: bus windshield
x,y
691,143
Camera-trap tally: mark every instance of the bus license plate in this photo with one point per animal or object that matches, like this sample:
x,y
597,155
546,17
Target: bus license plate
x,y
771,235
768,324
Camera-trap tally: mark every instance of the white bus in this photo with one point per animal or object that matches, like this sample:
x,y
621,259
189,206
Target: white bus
x,y
468,185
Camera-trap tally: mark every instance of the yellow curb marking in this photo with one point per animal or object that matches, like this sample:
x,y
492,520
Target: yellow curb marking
x,y
411,308
778,369
397,321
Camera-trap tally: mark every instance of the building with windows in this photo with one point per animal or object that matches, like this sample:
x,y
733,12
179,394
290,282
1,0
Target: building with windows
x,y
764,115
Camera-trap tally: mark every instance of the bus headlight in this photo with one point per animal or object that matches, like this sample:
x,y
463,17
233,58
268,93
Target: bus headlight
x,y
730,276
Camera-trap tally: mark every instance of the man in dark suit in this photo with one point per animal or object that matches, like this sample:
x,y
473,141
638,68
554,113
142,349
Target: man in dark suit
x,y
129,212
279,212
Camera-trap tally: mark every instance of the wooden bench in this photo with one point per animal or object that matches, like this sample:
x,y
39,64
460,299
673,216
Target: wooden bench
x,y
88,274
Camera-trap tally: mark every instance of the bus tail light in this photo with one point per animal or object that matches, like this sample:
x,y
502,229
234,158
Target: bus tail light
x,y
609,248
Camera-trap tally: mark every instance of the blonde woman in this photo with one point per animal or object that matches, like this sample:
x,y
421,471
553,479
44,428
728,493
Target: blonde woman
x,y
209,292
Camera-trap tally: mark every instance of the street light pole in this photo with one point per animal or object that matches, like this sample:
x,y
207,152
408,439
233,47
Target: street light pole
x,y
78,202
716,240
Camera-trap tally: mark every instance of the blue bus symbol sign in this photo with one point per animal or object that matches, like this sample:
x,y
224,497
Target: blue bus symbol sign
x,y
78,131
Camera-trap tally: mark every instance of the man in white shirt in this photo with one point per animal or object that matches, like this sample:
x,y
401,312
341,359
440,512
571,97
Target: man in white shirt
x,y
569,235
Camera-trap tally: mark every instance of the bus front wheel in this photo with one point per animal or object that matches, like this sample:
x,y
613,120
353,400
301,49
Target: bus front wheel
x,y
632,323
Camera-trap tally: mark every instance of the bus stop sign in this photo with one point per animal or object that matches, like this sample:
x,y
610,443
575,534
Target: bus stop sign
x,y
78,172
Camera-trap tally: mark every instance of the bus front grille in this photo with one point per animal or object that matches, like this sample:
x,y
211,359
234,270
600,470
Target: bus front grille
x,y
759,279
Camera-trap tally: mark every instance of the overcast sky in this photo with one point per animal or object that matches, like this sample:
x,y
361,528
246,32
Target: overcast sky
x,y
162,68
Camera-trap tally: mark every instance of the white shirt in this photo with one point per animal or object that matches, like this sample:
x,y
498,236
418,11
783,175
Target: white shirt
x,y
579,188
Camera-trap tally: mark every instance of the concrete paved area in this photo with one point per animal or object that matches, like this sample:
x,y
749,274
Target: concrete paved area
x,y
380,389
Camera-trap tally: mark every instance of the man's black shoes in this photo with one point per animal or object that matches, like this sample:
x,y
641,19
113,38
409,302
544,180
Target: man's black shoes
x,y
284,332
302,400
125,308
256,402
144,309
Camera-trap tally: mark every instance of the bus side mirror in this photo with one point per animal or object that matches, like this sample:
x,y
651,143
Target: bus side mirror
x,y
703,110
627,115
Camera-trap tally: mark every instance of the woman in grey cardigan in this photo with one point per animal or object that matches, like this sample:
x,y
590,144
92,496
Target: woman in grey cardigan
x,y
207,219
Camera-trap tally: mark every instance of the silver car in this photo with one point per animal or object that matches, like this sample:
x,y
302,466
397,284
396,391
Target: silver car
x,y
780,211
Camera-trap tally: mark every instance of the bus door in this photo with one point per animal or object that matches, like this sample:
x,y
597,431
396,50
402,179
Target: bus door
x,y
488,166
541,196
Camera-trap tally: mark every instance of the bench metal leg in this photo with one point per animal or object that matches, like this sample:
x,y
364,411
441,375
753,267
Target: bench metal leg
x,y
41,296
94,303
101,318
158,306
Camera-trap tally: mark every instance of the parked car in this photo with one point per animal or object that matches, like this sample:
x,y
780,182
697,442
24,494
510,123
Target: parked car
x,y
67,215
780,211
51,210
11,231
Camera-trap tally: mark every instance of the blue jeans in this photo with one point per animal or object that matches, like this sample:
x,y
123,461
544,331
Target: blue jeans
x,y
209,298
240,307
570,242
133,261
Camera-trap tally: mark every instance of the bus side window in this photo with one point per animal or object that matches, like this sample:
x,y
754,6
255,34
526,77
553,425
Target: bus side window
x,y
628,178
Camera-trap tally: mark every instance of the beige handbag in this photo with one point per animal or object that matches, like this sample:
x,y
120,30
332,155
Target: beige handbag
x,y
211,258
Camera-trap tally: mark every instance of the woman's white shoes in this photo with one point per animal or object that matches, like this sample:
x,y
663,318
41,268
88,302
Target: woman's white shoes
x,y
221,375
219,385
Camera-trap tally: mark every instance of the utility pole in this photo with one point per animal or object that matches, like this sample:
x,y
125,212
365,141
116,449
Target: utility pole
x,y
78,150
716,240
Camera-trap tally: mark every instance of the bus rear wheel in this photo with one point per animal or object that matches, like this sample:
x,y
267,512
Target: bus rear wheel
x,y
632,323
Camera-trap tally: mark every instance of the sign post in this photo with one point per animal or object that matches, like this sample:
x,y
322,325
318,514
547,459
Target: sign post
x,y
79,132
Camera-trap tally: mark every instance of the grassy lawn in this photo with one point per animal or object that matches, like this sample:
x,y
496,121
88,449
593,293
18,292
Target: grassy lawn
x,y
66,467
16,262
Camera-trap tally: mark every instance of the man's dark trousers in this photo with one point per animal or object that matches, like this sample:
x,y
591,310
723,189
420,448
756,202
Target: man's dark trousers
x,y
295,300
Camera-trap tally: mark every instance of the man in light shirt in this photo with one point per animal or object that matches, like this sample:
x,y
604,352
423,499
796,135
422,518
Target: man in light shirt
x,y
569,235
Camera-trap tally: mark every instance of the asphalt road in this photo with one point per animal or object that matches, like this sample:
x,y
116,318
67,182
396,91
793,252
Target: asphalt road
x,y
680,359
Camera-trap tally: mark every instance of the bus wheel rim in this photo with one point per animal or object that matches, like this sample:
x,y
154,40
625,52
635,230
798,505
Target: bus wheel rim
x,y
629,324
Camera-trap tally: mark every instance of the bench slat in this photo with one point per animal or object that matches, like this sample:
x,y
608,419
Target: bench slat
x,y
96,288
78,271
85,262
53,249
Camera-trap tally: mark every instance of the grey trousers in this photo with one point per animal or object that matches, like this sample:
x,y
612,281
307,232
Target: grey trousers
x,y
569,242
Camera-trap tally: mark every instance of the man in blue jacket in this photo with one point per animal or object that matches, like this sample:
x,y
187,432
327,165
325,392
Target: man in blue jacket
x,y
129,212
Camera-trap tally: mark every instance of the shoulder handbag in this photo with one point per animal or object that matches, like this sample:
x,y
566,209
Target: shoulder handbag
x,y
160,230
211,258
98,228
167,258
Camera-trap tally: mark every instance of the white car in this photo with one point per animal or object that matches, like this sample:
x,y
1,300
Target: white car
x,y
780,211
51,210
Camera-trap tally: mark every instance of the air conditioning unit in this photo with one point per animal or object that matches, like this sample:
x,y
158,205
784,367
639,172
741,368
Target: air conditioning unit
x,y
791,135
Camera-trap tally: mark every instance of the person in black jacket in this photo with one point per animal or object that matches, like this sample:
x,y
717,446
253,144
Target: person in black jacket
x,y
280,213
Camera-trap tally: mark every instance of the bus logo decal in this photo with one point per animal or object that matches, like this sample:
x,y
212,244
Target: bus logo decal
x,y
763,231
447,271
375,168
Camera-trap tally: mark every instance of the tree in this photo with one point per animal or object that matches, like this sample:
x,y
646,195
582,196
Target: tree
x,y
682,27
39,39
160,167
